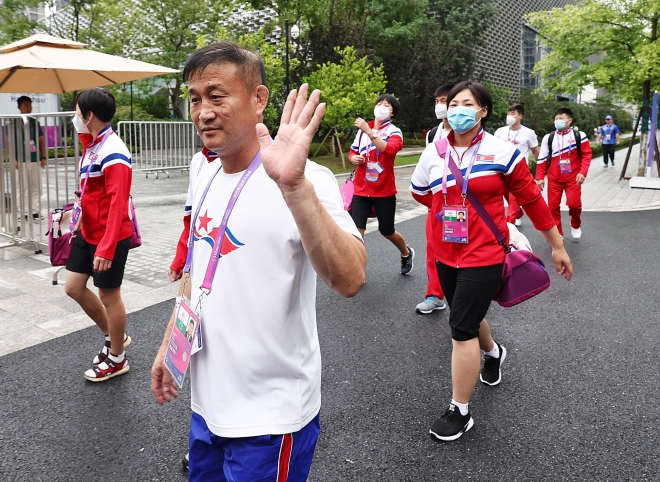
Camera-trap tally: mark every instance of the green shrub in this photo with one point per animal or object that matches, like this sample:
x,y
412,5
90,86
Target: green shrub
x,y
323,151
414,142
597,149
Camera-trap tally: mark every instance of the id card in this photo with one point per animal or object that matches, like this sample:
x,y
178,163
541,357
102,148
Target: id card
x,y
565,166
454,224
75,217
373,172
33,148
179,348
608,137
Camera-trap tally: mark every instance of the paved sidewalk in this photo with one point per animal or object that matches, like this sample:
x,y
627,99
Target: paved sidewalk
x,y
32,310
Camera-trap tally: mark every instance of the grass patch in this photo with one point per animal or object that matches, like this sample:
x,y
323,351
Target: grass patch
x,y
334,163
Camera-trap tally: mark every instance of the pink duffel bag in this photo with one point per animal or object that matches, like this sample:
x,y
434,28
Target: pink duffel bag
x,y
347,191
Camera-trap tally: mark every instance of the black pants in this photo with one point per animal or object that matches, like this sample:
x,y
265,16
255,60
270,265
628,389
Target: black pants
x,y
385,208
468,292
608,152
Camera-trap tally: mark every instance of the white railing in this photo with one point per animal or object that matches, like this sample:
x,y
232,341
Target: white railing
x,y
28,191
158,146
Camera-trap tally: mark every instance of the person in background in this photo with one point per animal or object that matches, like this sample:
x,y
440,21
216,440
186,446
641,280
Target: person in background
x,y
526,141
100,247
610,136
470,272
373,153
434,297
29,192
565,156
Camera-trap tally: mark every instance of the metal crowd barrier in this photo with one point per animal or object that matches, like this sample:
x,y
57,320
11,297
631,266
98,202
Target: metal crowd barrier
x,y
29,192
159,146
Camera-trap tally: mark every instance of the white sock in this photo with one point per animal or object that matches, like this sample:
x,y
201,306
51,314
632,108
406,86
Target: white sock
x,y
495,352
117,358
462,407
107,338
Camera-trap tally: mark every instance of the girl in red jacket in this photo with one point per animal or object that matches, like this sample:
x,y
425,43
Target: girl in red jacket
x,y
100,247
470,260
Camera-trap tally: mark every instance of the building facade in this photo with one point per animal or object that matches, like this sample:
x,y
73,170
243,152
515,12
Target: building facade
x,y
512,48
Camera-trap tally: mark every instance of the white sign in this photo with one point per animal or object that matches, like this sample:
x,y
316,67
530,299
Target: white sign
x,y
40,103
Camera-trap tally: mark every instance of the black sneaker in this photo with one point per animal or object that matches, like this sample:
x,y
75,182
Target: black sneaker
x,y
407,262
491,373
451,424
184,462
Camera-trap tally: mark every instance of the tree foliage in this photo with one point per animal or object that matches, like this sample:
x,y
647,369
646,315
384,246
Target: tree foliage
x,y
349,88
15,22
612,45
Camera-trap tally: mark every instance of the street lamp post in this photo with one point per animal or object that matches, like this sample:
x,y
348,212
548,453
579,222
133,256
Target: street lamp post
x,y
295,33
286,62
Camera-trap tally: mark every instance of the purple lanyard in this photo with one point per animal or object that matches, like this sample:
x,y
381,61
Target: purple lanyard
x,y
108,133
467,171
220,235
508,134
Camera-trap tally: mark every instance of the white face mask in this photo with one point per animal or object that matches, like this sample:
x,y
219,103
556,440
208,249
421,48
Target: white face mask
x,y
510,120
79,124
381,112
441,111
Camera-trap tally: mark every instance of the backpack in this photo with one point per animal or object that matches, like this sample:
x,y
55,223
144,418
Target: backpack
x,y
578,141
430,134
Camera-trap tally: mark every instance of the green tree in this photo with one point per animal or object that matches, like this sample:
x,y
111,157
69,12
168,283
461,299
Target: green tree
x,y
423,44
15,22
621,34
501,101
169,30
349,89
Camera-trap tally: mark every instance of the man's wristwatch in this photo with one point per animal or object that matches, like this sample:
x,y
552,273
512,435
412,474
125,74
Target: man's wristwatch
x,y
373,136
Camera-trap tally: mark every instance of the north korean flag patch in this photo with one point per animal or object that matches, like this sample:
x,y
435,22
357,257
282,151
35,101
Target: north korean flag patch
x,y
485,158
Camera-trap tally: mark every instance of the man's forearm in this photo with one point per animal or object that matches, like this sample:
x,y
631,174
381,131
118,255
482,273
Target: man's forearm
x,y
338,257
184,287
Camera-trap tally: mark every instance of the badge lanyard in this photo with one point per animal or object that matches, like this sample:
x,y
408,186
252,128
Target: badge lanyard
x,y
508,135
560,145
220,235
467,171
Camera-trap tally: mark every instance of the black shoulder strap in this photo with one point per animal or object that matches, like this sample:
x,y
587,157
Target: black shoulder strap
x,y
550,139
578,142
431,134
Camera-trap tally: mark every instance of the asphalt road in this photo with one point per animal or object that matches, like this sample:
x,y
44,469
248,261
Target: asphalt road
x,y
578,401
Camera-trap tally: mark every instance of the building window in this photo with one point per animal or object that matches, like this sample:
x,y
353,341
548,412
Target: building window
x,y
531,53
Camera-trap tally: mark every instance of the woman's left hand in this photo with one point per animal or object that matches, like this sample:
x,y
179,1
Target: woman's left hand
x,y
363,125
562,263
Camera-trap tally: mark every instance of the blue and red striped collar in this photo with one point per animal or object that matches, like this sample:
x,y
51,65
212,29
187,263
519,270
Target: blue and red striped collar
x,y
87,141
209,155
475,140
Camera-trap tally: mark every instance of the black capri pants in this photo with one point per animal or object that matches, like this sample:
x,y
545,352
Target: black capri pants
x,y
385,208
468,292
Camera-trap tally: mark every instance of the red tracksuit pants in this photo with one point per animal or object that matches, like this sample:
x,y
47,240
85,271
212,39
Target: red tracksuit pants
x,y
433,282
573,201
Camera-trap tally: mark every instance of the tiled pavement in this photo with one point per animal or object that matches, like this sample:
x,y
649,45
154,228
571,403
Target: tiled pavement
x,y
32,310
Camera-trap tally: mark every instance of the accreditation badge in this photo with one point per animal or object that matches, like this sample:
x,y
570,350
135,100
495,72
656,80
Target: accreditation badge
x,y
373,171
454,224
186,324
565,166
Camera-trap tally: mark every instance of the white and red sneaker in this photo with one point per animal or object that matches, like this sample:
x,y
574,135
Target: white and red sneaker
x,y
103,354
107,369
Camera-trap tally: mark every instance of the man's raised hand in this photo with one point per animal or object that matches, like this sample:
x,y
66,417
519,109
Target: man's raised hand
x,y
284,159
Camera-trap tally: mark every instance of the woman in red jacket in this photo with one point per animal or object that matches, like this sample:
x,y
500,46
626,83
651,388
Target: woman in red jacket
x,y
470,264
100,247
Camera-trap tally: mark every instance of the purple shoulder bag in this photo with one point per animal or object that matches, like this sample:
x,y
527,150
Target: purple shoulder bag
x,y
523,275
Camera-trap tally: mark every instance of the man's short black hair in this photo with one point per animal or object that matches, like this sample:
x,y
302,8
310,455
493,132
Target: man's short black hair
x,y
564,110
443,90
250,64
99,101
23,98
392,101
517,108
480,93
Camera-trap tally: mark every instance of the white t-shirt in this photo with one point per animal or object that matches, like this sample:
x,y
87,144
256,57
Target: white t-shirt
x,y
440,133
259,371
524,138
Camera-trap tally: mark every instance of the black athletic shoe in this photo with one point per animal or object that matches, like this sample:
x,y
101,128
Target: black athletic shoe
x,y
184,462
407,261
491,373
451,424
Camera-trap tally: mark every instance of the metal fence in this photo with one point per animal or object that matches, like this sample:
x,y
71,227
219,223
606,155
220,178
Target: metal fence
x,y
28,191
159,146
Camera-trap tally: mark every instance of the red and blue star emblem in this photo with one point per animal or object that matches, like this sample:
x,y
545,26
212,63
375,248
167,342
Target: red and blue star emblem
x,y
201,232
